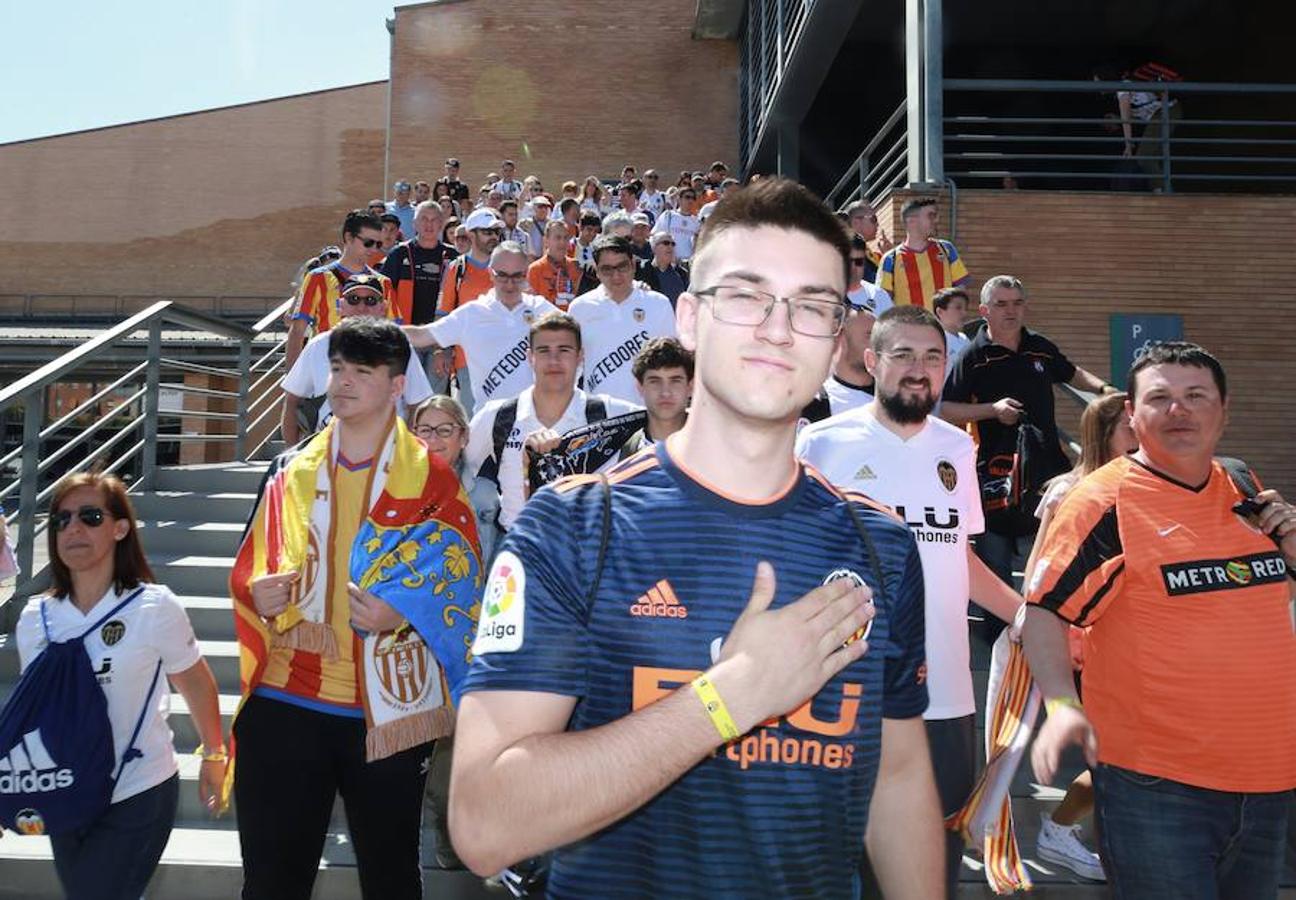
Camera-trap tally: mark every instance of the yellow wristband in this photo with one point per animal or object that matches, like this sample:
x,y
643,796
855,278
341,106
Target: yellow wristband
x,y
211,756
1053,704
715,708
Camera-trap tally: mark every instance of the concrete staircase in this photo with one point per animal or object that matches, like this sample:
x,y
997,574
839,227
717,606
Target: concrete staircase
x,y
191,526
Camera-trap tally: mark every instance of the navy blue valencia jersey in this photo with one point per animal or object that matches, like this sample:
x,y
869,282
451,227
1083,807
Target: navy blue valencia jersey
x,y
780,811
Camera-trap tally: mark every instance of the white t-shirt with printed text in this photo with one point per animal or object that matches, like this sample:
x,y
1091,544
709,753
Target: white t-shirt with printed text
x,y
930,481
683,228
481,442
124,652
495,341
612,334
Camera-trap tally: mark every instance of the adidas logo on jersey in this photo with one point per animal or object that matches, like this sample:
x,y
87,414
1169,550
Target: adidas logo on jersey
x,y
660,601
29,769
864,473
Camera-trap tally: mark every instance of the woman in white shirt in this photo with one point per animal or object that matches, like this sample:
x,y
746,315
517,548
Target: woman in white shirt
x,y
593,196
96,561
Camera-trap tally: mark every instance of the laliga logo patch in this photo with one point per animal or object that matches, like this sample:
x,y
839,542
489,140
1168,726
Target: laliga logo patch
x,y
29,822
837,575
503,608
113,632
947,474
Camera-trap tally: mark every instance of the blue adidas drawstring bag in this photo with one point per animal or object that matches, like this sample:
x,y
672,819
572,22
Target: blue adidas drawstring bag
x,y
57,766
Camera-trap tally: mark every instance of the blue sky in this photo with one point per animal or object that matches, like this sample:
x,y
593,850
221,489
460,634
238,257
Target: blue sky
x,y
78,64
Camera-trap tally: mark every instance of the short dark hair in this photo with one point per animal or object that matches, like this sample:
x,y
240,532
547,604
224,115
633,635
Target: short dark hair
x,y
610,243
902,315
567,203
370,341
1181,353
554,321
941,299
358,219
912,206
390,218
662,353
634,185
589,217
130,567
508,204
779,203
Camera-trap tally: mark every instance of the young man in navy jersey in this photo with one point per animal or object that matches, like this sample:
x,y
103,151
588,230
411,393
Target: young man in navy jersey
x,y
704,679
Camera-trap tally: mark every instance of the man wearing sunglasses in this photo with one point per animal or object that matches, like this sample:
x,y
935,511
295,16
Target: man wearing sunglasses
x,y
616,319
492,331
652,200
732,704
318,305
361,295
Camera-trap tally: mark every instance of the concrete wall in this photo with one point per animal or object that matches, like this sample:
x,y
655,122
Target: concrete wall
x,y
228,201
565,89
1220,261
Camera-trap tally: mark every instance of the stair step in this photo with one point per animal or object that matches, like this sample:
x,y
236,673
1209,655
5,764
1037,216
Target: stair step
x,y
224,506
193,574
212,616
162,536
182,727
223,658
212,477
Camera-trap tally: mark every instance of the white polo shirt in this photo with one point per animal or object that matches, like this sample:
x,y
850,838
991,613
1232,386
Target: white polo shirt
x,y
682,228
123,654
310,374
495,340
612,334
930,481
481,442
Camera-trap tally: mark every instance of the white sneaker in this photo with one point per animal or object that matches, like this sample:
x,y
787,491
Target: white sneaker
x,y
1060,844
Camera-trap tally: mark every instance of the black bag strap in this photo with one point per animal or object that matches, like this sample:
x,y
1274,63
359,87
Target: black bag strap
x,y
595,409
869,547
131,752
1240,474
501,428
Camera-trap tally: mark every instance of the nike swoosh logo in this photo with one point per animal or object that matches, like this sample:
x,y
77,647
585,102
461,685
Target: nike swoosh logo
x,y
1163,532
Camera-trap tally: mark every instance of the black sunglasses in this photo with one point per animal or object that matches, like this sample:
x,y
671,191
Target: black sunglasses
x,y
367,299
91,516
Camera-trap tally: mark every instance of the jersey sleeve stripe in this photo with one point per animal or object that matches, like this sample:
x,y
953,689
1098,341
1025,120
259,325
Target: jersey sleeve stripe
x,y
1087,578
1099,595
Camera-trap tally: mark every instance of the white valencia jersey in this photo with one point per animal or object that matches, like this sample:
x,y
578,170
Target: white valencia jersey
x,y
124,652
612,334
495,341
930,481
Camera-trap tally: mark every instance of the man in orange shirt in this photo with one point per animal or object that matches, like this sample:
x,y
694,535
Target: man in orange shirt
x,y
466,279
1189,680
555,276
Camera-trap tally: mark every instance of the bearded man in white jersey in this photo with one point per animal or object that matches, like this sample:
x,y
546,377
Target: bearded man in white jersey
x,y
894,451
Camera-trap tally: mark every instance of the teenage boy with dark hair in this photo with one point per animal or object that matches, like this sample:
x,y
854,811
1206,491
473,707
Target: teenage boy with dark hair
x,y
346,651
950,306
602,725
316,308
923,263
663,371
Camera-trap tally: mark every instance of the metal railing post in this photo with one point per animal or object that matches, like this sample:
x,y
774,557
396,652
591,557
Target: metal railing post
x,y
245,379
33,410
1165,141
863,176
933,94
152,380
914,88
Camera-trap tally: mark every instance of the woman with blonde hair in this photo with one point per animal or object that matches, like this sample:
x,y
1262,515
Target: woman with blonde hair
x,y
593,196
98,571
1105,434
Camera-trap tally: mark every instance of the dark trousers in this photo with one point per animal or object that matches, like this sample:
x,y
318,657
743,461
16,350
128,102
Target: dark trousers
x,y
952,744
1162,838
114,857
1003,554
290,765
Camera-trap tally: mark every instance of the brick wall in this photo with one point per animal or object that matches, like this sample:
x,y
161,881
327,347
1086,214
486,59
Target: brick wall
x,y
565,89
1219,261
227,201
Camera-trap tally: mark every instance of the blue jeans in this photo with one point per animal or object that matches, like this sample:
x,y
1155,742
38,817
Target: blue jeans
x,y
114,857
1161,838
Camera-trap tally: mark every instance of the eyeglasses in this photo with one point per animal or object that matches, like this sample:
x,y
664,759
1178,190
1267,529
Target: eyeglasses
x,y
445,431
906,358
651,177
508,276
370,243
90,516
811,316
366,300
618,269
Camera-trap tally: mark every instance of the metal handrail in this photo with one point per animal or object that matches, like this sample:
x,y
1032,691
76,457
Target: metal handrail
x,y
141,382
861,173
